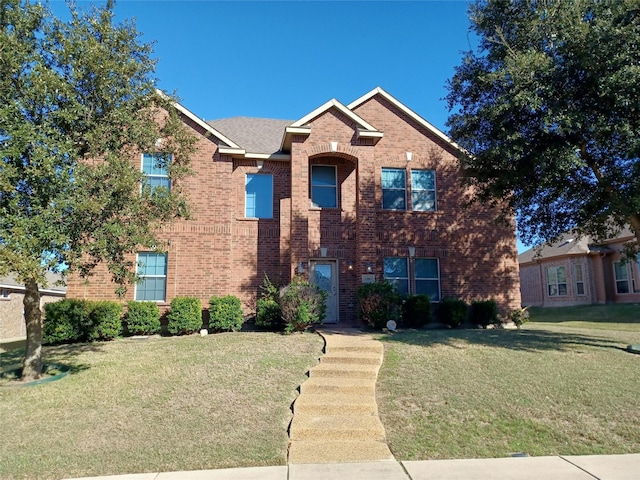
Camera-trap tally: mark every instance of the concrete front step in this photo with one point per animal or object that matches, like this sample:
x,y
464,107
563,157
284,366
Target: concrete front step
x,y
336,427
309,451
359,358
335,404
372,346
354,386
350,370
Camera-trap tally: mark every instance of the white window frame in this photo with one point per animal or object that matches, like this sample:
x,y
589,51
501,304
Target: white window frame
x,y
166,265
270,202
556,283
416,278
434,190
5,294
155,175
334,187
578,271
394,189
630,278
393,280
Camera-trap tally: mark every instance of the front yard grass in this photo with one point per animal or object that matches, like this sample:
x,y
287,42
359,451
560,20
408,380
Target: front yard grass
x,y
560,386
161,404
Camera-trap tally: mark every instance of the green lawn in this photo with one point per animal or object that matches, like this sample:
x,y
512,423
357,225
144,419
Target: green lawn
x,y
186,403
563,385
161,404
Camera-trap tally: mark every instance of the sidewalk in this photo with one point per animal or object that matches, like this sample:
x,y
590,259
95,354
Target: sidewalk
x,y
601,467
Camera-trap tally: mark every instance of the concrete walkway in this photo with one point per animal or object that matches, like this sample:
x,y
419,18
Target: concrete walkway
x,y
600,467
335,417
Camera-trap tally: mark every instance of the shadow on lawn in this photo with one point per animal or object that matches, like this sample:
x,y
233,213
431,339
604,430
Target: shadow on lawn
x,y
522,340
61,354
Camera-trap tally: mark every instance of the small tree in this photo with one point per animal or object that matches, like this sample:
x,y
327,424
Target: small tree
x,y
77,103
377,304
302,305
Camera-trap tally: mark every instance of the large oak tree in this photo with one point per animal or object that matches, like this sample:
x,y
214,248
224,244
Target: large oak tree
x,y
77,103
548,108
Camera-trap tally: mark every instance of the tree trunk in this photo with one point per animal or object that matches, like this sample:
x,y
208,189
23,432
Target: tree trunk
x,y
32,365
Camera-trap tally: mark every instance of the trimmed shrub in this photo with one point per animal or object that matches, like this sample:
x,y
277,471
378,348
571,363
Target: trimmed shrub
x,y
377,304
105,318
452,312
519,316
71,320
63,321
416,311
484,312
302,305
184,316
142,318
268,314
225,314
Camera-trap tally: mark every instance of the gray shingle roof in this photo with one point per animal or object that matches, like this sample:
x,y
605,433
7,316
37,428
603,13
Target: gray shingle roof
x,y
52,278
255,135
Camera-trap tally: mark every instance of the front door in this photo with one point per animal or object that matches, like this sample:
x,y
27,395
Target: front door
x,y
324,275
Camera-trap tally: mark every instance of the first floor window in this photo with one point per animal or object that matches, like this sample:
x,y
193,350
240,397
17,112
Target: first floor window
x,y
258,196
622,277
5,294
324,186
427,277
152,270
396,272
155,170
423,190
556,281
394,189
579,278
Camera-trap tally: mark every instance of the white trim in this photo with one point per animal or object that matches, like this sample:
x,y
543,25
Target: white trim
x,y
328,105
268,156
407,110
41,290
231,150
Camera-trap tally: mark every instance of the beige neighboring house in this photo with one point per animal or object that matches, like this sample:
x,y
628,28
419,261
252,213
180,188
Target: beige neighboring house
x,y
12,327
578,271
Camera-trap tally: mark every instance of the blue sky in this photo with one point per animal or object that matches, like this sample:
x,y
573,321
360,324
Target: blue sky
x,y
282,59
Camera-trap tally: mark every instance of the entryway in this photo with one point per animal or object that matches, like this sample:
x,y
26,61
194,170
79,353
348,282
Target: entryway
x,y
324,274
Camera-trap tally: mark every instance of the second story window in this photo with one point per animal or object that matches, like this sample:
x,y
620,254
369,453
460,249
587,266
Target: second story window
x,y
324,186
155,170
258,196
423,190
394,189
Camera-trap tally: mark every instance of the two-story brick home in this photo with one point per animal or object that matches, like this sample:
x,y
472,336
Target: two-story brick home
x,y
348,194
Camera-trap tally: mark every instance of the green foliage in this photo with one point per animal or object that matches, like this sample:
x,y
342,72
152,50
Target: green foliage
x,y
549,111
67,89
225,314
484,313
519,316
268,314
105,318
71,320
184,316
452,311
377,304
142,318
302,305
416,310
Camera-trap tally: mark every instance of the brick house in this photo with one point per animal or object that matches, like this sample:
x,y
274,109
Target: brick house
x,y
12,325
347,194
579,271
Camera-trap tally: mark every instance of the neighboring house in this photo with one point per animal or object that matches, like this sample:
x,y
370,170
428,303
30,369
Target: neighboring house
x,y
577,271
346,195
12,326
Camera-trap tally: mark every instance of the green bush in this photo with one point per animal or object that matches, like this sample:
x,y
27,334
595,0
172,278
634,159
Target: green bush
x,y
452,312
105,319
63,321
377,304
268,314
484,313
184,316
302,305
225,314
519,316
142,318
416,311
71,320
